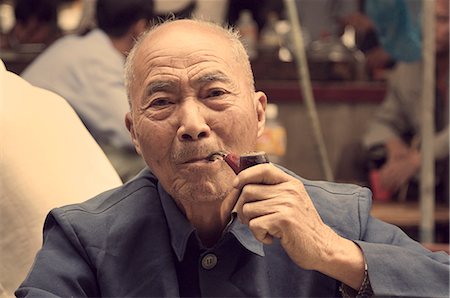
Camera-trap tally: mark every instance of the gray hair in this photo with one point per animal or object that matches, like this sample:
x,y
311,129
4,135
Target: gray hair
x,y
232,35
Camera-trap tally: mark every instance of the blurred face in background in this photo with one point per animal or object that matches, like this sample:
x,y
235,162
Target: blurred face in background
x,y
442,26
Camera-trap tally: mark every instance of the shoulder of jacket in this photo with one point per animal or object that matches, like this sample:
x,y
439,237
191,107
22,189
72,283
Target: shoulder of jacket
x,y
141,187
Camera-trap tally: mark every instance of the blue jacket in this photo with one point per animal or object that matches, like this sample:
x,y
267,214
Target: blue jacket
x,y
119,244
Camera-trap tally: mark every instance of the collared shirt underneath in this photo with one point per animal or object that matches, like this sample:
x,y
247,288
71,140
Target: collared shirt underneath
x,y
211,271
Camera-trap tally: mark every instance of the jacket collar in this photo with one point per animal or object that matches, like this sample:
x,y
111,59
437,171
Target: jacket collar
x,y
180,228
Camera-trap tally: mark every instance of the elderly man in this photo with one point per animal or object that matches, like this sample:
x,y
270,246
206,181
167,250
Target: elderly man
x,y
172,231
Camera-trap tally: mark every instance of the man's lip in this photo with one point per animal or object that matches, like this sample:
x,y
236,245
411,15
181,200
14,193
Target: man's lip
x,y
199,157
196,159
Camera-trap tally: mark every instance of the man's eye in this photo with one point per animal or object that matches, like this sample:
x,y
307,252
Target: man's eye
x,y
216,92
160,103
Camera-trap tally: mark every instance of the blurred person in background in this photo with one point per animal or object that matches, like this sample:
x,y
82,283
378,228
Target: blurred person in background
x,y
388,31
323,18
396,126
392,141
36,22
319,18
87,70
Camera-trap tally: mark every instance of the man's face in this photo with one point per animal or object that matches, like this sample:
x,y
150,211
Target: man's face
x,y
442,26
190,99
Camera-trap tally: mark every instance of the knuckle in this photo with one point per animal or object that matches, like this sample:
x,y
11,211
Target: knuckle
x,y
246,209
248,190
256,225
253,225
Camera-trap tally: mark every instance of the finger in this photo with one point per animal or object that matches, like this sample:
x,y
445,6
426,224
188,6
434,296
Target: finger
x,y
268,239
258,192
398,176
262,192
389,177
256,209
264,228
393,183
389,182
251,193
261,174
385,179
262,235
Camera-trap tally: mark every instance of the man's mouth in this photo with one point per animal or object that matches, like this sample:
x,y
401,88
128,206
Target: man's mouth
x,y
206,158
196,159
190,155
216,155
230,158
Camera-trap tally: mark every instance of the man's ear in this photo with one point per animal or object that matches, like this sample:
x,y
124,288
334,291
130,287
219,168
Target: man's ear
x,y
261,103
130,126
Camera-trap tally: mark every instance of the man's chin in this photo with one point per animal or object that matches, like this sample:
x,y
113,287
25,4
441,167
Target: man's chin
x,y
199,190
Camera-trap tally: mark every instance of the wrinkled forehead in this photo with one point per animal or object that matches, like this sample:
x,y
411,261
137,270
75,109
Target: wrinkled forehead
x,y
191,46
186,40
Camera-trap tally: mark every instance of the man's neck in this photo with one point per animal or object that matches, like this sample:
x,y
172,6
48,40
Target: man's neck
x,y
209,219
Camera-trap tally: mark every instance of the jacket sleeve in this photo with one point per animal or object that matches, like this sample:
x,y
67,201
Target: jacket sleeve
x,y
398,265
61,267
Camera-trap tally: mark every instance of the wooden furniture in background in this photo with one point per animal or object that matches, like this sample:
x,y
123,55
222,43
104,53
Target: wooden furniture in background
x,y
406,215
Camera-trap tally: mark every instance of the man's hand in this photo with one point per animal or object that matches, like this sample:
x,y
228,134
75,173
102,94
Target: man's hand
x,y
402,164
360,21
275,204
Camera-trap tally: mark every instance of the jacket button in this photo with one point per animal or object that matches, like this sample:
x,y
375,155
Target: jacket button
x,y
209,261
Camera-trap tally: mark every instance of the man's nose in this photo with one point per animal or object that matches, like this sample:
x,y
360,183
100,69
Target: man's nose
x,y
193,124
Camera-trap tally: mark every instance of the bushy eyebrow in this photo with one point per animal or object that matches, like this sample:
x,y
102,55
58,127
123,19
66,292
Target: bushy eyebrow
x,y
213,77
158,86
170,86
